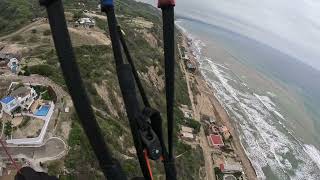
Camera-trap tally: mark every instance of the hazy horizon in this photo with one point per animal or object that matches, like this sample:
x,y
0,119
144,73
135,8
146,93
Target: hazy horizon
x,y
291,26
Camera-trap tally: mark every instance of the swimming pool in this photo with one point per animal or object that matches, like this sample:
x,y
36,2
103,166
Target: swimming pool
x,y
43,110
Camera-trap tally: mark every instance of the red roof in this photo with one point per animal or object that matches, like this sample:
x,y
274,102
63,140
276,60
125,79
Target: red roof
x,y
222,167
216,139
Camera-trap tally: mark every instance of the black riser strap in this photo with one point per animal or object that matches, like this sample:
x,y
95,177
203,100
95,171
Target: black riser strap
x,y
127,86
134,70
168,39
109,166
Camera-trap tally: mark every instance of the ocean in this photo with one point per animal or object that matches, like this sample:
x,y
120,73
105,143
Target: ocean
x,y
271,97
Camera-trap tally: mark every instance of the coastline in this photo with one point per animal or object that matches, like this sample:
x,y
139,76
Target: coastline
x,y
204,102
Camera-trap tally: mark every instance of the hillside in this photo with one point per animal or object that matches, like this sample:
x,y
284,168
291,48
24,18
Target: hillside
x,y
142,26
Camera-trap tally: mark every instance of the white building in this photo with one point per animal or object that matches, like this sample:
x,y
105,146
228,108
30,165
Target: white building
x,y
187,136
13,65
186,129
21,97
86,22
9,104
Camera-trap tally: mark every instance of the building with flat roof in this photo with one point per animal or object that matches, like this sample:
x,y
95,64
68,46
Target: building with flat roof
x,y
186,129
225,132
229,167
215,141
187,136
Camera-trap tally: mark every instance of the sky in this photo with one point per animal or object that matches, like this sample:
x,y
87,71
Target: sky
x,y
291,26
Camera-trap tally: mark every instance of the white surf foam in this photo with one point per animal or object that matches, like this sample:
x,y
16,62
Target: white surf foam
x,y
313,153
264,143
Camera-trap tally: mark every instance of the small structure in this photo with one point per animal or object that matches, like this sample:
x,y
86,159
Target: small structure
x,y
186,129
212,120
228,167
187,133
186,57
215,141
85,22
9,104
190,67
187,136
214,129
13,65
225,132
25,96
187,113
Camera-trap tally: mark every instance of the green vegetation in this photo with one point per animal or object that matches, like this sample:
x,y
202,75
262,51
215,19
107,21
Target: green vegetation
x,y
15,14
97,68
25,121
8,128
47,32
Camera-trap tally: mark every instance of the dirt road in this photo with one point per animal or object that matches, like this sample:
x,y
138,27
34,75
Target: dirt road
x,y
203,139
21,30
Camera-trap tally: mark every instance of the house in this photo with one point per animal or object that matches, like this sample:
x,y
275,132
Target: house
x,y
13,65
25,96
187,113
187,136
21,97
85,22
212,120
225,132
229,167
9,104
186,129
215,141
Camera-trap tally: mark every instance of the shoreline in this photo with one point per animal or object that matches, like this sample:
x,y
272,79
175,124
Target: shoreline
x,y
206,93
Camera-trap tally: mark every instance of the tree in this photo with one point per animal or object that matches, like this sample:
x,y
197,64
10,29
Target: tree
x,y
77,15
8,128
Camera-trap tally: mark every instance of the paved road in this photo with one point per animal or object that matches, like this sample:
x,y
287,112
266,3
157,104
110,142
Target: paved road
x,y
54,148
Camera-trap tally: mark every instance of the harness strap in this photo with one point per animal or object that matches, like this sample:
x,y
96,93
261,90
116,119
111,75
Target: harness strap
x,y
169,57
134,70
110,167
127,86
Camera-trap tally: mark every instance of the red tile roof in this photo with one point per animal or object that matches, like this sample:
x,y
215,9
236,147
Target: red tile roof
x,y
216,139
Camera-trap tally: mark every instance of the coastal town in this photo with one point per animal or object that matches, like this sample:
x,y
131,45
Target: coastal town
x,y
224,156
35,113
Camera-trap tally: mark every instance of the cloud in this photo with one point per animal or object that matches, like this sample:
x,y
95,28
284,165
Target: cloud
x,y
291,26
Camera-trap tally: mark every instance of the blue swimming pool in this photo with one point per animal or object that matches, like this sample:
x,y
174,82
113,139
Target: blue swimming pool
x,y
43,110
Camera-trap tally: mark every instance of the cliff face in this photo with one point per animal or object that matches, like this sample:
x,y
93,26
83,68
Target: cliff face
x,y
143,32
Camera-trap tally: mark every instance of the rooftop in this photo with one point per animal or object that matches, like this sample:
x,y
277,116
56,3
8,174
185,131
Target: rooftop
x,y
7,99
20,92
187,135
216,139
186,129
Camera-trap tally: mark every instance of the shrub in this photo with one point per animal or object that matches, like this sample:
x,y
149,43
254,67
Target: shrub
x,y
47,32
17,38
33,31
44,70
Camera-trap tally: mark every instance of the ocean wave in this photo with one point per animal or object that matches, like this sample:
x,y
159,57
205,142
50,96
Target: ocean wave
x,y
265,138
313,153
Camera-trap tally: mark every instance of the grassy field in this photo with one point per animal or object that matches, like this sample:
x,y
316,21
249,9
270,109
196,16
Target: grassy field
x,y
97,68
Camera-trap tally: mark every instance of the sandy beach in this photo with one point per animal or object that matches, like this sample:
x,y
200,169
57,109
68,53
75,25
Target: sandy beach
x,y
204,102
